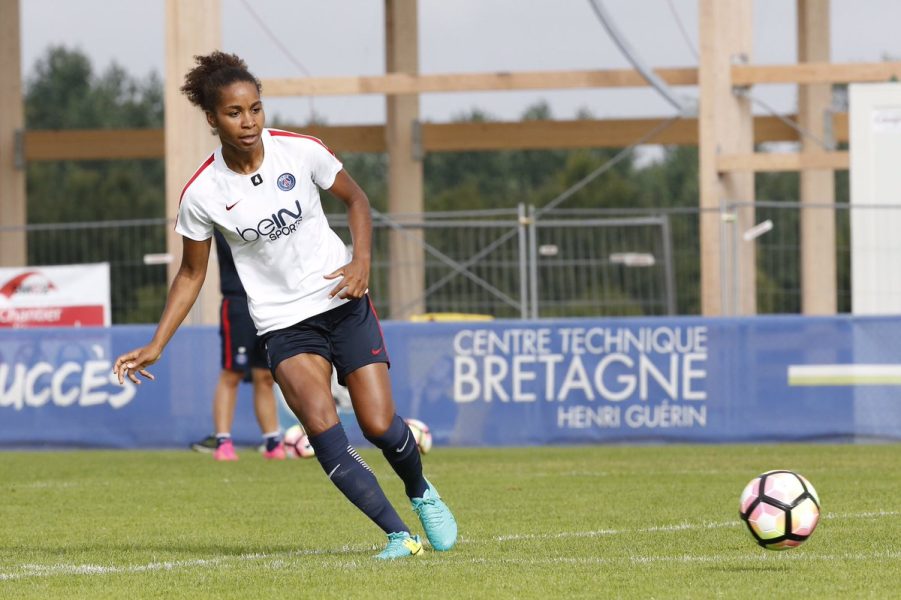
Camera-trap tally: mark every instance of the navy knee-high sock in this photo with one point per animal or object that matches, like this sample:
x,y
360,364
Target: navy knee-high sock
x,y
399,447
354,478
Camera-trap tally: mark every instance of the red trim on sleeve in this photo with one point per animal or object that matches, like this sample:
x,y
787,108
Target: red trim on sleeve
x,y
196,174
282,133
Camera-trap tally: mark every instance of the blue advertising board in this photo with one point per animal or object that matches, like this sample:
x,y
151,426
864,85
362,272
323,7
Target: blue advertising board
x,y
498,383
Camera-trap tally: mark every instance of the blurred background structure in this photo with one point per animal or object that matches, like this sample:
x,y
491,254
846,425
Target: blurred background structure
x,y
742,209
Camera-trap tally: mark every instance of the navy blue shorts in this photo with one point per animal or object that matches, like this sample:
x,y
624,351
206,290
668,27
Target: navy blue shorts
x,y
241,349
349,337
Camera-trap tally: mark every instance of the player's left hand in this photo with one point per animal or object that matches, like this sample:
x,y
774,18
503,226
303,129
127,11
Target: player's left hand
x,y
135,361
354,280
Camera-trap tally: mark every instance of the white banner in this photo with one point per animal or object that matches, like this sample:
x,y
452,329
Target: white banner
x,y
60,296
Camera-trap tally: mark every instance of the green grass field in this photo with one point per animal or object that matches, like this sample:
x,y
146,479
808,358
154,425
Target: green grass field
x,y
587,522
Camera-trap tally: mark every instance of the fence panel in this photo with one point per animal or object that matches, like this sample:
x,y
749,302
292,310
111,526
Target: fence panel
x,y
138,290
576,262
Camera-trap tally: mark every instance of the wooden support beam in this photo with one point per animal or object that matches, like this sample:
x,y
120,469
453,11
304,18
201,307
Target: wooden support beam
x,y
192,27
819,294
116,144
781,161
94,144
348,138
13,250
407,83
816,72
725,123
405,173
456,137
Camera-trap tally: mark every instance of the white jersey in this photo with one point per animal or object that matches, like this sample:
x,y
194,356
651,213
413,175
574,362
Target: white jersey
x,y
274,224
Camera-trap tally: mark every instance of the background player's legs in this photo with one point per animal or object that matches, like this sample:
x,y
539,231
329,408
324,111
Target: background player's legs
x,y
266,412
305,380
370,392
264,400
224,398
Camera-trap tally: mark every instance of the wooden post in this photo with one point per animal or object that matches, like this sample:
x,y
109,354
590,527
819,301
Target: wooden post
x,y
192,27
13,249
728,269
405,178
818,269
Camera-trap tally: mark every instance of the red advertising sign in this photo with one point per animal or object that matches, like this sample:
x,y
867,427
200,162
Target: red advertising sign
x,y
58,296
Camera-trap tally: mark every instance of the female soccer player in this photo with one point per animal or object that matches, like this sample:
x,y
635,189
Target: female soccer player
x,y
307,294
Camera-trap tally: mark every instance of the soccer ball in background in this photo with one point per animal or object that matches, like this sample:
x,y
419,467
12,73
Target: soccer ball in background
x,y
780,508
297,444
421,434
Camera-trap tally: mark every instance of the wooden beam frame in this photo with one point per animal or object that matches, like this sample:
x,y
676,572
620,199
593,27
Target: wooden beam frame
x,y
94,144
819,271
781,161
741,75
13,205
816,72
114,144
403,83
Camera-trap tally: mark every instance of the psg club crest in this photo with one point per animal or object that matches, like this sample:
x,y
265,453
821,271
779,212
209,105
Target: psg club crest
x,y
286,182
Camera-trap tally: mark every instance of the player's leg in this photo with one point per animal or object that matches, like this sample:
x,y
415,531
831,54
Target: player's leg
x,y
361,358
248,355
305,380
370,393
223,402
224,398
267,414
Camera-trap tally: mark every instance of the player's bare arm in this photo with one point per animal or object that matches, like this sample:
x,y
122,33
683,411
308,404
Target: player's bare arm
x,y
354,275
182,294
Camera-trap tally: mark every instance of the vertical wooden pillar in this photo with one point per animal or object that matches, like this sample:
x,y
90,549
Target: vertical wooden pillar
x,y
405,177
13,250
818,269
728,269
192,27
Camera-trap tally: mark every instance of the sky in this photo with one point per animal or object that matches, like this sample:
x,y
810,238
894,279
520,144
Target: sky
x,y
346,38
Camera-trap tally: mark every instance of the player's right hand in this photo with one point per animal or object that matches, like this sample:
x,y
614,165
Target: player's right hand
x,y
136,361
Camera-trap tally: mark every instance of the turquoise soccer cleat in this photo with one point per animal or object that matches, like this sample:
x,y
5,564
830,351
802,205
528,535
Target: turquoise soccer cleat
x,y
401,545
436,518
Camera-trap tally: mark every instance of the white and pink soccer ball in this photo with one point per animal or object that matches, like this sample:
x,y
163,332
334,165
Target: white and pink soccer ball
x,y
297,444
780,508
421,434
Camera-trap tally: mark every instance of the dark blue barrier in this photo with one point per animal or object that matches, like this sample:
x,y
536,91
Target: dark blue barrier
x,y
497,383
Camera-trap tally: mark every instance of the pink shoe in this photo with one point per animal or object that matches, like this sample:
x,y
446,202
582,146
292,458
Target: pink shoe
x,y
226,451
277,453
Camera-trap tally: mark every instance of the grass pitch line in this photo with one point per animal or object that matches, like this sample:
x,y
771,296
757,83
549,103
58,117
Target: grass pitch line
x,y
692,558
605,532
29,570
671,528
34,570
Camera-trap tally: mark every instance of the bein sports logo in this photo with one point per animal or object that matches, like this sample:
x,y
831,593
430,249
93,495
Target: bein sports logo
x,y
279,224
30,282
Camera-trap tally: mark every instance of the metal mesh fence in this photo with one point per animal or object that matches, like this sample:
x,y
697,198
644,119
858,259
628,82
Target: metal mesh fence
x,y
138,290
503,263
779,256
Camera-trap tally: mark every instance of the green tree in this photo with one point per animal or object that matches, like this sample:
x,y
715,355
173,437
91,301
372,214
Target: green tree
x,y
64,93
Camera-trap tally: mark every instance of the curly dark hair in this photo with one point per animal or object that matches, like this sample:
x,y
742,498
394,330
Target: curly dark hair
x,y
213,72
